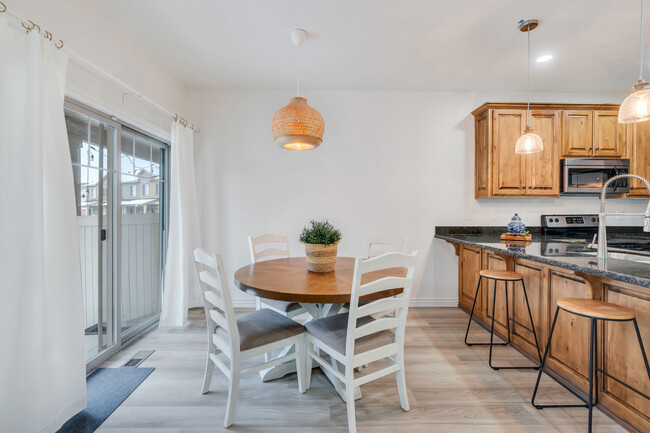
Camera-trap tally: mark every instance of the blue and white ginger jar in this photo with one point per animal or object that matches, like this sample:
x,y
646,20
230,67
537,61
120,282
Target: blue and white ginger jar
x,y
516,225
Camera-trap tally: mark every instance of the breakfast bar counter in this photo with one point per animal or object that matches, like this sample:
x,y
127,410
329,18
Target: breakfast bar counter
x,y
548,278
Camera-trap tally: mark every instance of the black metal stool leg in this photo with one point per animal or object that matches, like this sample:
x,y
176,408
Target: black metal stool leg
x,y
508,319
541,370
471,317
645,357
596,362
494,303
590,402
532,324
471,314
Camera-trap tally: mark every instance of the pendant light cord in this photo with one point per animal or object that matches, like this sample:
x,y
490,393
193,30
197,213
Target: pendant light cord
x,y
641,44
528,84
298,66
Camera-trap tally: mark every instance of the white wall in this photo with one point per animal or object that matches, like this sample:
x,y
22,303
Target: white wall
x,y
396,163
88,33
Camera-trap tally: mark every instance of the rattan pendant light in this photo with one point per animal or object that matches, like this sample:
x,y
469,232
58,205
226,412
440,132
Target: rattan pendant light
x,y
297,126
529,142
636,107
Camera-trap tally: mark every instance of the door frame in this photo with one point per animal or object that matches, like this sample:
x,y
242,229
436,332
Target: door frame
x,y
116,235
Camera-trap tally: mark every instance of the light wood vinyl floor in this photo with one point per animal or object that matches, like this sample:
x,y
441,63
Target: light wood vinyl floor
x,y
451,389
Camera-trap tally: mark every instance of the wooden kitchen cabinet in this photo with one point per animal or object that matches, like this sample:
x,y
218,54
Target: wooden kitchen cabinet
x,y
468,274
567,130
609,137
577,130
518,175
639,154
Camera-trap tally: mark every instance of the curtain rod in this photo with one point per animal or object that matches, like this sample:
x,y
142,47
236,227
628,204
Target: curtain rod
x,y
126,89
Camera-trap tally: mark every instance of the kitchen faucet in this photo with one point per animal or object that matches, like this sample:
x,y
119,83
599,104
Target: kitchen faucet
x,y
602,216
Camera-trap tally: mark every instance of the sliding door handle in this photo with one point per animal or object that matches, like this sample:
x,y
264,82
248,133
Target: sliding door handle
x,y
102,235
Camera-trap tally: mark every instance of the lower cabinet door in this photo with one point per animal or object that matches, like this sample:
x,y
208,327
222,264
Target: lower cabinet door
x,y
536,281
469,263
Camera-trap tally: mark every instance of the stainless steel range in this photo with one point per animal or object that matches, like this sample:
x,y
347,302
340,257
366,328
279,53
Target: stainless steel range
x,y
564,235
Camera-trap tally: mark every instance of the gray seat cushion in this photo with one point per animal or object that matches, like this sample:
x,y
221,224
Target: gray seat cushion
x,y
283,306
263,327
333,331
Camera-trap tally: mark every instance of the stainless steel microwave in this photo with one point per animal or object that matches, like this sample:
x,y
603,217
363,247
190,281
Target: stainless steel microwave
x,y
584,176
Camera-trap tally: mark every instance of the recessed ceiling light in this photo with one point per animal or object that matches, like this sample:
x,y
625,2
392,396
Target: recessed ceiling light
x,y
545,58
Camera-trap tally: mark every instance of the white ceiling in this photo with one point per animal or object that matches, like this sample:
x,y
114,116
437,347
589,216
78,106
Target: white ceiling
x,y
388,44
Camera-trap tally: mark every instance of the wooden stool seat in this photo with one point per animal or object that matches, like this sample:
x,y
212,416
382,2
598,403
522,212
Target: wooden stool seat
x,y
495,274
597,309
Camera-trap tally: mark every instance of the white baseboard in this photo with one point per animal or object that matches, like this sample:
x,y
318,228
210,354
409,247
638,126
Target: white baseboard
x,y
417,303
434,302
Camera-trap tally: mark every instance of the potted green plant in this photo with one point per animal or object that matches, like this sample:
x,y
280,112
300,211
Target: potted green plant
x,y
321,244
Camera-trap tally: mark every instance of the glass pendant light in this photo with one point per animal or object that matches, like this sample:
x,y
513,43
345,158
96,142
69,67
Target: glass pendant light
x,y
298,126
529,142
636,107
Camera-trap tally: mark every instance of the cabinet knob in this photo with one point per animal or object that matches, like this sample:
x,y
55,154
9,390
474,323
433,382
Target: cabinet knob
x,y
523,187
477,251
598,148
591,148
530,187
632,187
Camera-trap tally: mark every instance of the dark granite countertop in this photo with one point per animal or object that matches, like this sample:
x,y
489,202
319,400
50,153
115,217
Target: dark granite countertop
x,y
636,273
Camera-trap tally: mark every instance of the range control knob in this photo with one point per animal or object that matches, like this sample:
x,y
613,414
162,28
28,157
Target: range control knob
x,y
557,220
593,220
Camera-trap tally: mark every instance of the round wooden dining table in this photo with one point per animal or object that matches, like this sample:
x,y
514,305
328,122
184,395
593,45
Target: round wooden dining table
x,y
320,294
289,280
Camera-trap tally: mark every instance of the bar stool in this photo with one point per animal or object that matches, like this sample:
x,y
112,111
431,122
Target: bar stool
x,y
594,310
505,276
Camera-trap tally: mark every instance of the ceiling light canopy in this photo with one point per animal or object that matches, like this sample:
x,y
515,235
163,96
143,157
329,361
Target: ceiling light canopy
x,y
298,126
636,107
529,142
544,58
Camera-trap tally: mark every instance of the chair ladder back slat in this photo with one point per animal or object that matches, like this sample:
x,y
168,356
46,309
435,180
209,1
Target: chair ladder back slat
x,y
381,305
386,283
271,251
383,324
217,317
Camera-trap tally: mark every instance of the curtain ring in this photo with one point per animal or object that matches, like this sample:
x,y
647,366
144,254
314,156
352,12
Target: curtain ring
x,y
48,35
59,46
175,117
4,8
29,29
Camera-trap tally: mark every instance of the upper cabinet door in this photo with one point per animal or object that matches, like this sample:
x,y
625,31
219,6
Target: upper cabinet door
x,y
543,168
609,135
507,166
639,153
577,127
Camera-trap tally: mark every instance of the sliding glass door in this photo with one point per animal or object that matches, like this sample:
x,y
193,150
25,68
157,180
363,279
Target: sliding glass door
x,y
120,187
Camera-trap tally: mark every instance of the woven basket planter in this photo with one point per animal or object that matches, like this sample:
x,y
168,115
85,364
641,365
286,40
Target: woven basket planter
x,y
321,258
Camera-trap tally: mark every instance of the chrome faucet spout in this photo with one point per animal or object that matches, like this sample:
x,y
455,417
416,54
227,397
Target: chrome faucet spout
x,y
602,216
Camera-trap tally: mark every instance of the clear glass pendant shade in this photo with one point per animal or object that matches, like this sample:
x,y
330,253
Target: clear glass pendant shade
x,y
529,143
636,107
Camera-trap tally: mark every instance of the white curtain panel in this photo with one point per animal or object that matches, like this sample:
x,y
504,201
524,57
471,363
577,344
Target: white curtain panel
x,y
181,288
42,355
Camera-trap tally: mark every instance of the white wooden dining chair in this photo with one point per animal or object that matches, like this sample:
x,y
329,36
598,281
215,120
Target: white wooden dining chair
x,y
266,247
357,338
244,337
379,245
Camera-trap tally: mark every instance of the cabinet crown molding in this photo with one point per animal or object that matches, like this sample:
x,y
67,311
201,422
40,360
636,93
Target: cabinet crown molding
x,y
543,106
